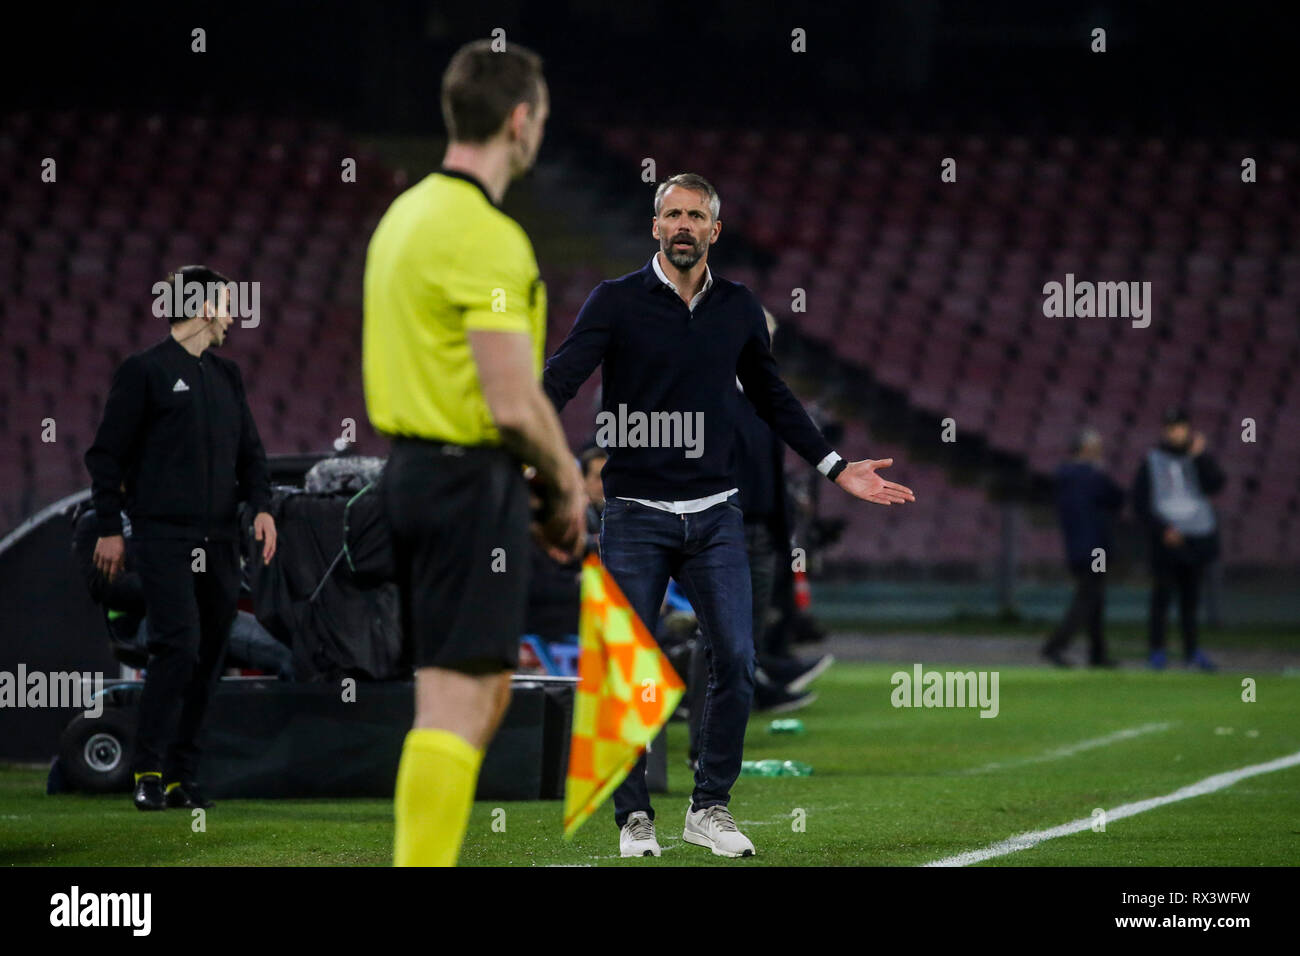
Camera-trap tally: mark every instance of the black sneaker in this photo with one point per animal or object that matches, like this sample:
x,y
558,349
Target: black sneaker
x,y
149,793
1054,657
188,796
794,674
778,700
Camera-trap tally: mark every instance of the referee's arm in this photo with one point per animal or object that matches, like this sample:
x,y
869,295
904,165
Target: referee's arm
x,y
530,430
529,427
493,267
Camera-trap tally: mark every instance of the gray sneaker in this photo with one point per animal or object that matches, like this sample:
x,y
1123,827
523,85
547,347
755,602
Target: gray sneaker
x,y
637,838
714,827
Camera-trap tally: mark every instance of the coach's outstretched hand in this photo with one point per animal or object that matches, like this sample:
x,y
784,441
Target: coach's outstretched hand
x,y
859,479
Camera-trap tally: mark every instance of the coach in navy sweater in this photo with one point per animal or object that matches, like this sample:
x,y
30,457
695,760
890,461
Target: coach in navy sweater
x,y
672,339
1086,500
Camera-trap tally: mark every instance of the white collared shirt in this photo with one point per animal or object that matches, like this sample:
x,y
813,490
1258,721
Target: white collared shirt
x,y
708,281
688,507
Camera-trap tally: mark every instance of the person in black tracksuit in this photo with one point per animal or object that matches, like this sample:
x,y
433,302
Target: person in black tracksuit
x,y
1086,500
177,449
1171,497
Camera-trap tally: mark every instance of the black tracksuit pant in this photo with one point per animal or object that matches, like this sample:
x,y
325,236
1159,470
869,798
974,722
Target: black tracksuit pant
x,y
1087,610
1171,576
189,617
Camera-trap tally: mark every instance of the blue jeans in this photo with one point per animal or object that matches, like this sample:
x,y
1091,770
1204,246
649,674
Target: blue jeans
x,y
642,547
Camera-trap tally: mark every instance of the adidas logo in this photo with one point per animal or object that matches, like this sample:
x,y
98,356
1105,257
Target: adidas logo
x,y
180,386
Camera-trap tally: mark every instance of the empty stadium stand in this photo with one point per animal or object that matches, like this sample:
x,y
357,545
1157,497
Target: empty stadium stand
x,y
927,289
935,290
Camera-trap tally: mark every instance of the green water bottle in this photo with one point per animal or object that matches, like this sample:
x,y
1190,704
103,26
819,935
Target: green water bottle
x,y
795,768
792,726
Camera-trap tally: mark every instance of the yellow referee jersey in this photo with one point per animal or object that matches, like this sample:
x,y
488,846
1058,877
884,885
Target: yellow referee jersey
x,y
443,260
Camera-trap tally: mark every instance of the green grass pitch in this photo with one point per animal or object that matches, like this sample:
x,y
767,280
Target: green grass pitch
x,y
892,787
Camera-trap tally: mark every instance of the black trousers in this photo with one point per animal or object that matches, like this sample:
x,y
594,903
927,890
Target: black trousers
x,y
1087,610
775,641
1186,580
189,613
761,546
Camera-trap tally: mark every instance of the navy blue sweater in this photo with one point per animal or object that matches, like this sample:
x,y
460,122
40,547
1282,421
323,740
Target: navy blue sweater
x,y
658,356
1086,499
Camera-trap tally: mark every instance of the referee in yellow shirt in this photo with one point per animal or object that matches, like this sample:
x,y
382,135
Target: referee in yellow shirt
x,y
453,340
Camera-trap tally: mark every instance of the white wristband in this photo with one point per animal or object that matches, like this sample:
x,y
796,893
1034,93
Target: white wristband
x,y
827,463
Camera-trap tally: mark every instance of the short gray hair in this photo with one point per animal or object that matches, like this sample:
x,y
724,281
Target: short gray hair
x,y
1085,436
694,182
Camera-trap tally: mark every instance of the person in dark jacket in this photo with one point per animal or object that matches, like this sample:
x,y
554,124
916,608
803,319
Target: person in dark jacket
x,y
1086,500
781,678
1171,496
177,450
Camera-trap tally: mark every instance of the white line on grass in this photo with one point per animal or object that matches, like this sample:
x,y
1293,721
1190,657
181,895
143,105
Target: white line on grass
x,y
1027,840
1069,750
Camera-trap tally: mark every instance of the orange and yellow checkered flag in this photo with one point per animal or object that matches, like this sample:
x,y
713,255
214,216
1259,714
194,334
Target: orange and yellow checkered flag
x,y
627,690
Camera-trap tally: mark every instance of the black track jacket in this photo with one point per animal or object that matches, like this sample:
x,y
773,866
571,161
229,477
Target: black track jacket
x,y
177,431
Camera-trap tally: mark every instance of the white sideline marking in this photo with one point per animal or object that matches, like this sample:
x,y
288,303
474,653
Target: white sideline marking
x,y
1069,750
1027,840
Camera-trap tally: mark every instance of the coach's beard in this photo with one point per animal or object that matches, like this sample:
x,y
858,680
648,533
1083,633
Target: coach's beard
x,y
682,259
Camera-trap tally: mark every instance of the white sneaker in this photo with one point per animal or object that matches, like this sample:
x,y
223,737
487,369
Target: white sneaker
x,y
714,827
637,838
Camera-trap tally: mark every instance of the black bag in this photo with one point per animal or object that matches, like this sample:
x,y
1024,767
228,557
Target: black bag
x,y
368,539
308,598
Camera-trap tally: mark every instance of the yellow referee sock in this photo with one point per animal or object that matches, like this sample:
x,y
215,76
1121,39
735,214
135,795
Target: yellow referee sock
x,y
435,789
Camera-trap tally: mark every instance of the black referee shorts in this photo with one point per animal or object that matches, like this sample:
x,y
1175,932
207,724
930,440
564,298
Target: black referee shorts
x,y
459,518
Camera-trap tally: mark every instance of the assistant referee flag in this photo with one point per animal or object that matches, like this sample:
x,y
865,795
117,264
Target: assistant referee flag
x,y
627,690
